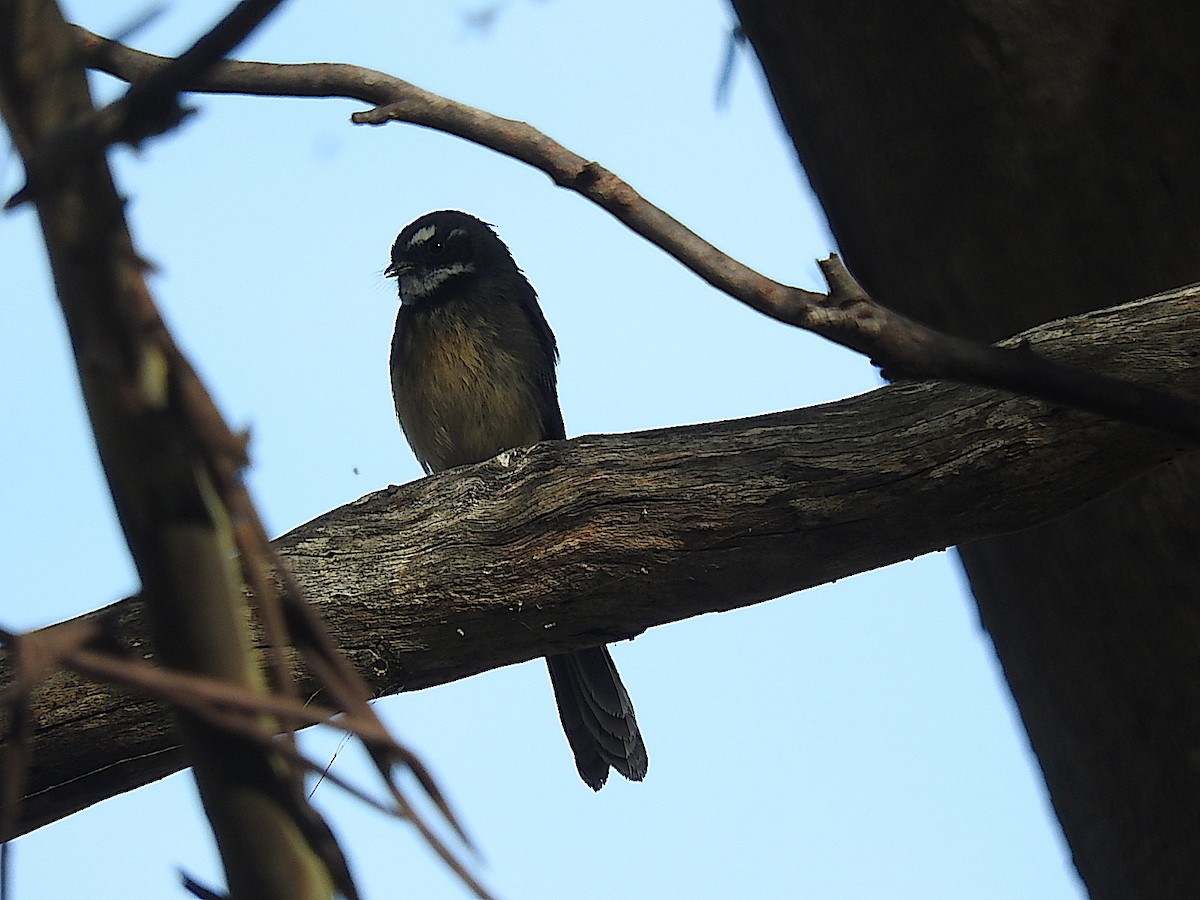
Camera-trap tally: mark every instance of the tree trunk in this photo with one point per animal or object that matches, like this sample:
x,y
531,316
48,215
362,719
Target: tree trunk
x,y
986,167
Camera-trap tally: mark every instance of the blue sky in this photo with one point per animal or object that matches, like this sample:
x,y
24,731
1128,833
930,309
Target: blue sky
x,y
852,741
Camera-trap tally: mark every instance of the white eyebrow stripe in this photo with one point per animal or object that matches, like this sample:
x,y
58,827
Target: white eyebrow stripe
x,y
423,235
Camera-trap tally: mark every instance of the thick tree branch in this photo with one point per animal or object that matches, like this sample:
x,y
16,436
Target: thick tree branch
x,y
574,543
846,315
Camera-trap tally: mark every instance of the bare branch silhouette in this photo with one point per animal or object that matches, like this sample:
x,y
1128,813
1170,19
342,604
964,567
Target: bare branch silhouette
x,y
847,315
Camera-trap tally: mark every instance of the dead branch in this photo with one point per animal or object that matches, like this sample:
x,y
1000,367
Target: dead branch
x,y
172,464
846,315
580,542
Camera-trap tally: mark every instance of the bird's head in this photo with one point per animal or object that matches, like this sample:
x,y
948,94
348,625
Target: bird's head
x,y
442,248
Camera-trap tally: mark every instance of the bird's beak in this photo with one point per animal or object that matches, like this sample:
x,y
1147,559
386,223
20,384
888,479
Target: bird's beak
x,y
395,270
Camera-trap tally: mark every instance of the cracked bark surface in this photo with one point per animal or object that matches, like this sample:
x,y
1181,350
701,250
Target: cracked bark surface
x,y
535,551
986,167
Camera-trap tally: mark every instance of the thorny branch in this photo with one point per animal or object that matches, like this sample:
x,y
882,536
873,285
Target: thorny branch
x,y
150,106
226,705
147,403
847,315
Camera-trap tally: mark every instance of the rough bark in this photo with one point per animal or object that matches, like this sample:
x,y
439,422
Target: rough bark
x,y
156,432
535,552
985,167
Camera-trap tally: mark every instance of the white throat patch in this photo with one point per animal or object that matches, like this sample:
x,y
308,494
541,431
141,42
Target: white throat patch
x,y
414,286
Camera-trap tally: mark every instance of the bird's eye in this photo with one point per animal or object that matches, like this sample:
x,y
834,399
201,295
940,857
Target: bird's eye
x,y
435,248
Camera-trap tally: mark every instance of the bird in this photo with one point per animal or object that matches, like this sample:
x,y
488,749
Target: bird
x,y
473,374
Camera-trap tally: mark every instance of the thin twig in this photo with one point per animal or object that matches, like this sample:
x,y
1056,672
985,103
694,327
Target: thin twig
x,y
34,655
846,315
150,107
232,707
245,724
